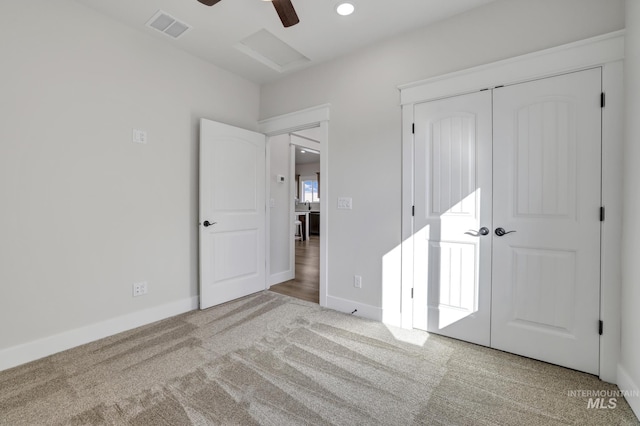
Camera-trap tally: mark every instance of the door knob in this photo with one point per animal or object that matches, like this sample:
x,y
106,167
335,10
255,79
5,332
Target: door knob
x,y
207,223
500,232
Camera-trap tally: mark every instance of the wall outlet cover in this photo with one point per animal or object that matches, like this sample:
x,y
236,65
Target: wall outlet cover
x,y
140,288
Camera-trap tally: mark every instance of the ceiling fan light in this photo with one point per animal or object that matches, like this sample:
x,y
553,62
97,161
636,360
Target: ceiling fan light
x,y
345,8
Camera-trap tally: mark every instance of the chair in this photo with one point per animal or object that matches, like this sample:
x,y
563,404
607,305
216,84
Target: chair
x,y
298,233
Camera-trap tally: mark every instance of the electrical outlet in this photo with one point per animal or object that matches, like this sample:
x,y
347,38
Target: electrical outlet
x,y
357,281
140,288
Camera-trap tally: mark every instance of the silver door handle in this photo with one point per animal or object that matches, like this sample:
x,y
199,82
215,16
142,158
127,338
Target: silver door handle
x,y
482,231
500,232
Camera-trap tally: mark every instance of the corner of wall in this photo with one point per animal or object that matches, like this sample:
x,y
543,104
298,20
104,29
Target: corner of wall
x,y
630,390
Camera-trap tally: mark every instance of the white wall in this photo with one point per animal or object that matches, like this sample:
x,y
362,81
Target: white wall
x,y
629,370
86,212
311,135
280,219
365,130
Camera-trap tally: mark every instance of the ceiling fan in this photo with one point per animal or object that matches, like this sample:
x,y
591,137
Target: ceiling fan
x,y
285,10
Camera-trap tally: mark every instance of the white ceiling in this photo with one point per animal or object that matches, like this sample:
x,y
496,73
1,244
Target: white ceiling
x,y
306,157
321,34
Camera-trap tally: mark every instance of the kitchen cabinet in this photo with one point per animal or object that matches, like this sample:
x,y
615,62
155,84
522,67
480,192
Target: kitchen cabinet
x,y
314,223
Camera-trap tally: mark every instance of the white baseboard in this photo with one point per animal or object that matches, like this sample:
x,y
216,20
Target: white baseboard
x,y
281,277
630,388
348,306
41,348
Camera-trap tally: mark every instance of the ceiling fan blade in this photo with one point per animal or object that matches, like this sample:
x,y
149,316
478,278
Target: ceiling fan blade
x,y
209,2
286,12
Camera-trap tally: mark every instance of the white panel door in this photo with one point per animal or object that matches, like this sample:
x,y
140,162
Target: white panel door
x,y
547,184
452,256
232,213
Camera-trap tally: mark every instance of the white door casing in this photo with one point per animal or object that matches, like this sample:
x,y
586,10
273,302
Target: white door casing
x,y
547,188
604,51
232,200
317,116
452,267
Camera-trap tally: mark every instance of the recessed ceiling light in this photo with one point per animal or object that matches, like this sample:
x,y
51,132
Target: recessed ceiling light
x,y
345,8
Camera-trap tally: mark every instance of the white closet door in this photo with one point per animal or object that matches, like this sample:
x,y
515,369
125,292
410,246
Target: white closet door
x,y
547,184
452,263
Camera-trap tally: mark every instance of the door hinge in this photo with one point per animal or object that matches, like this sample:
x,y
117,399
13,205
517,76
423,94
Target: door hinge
x,y
413,210
600,327
602,214
602,101
412,293
413,128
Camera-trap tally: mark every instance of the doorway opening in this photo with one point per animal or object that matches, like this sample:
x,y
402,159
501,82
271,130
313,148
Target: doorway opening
x,y
308,126
303,214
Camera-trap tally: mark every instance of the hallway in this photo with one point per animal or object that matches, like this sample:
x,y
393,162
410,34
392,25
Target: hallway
x,y
306,285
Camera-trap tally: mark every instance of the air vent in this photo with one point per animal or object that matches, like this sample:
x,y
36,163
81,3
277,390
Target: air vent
x,y
167,25
271,51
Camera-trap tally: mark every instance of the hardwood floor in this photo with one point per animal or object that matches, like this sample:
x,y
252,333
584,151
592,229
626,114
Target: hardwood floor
x,y
306,285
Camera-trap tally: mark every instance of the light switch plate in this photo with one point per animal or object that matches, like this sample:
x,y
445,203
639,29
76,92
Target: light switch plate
x,y
139,136
344,203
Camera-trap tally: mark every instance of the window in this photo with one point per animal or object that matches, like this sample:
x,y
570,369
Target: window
x,y
309,189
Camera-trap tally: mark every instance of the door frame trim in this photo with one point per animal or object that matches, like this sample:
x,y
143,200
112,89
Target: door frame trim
x,y
317,116
606,51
